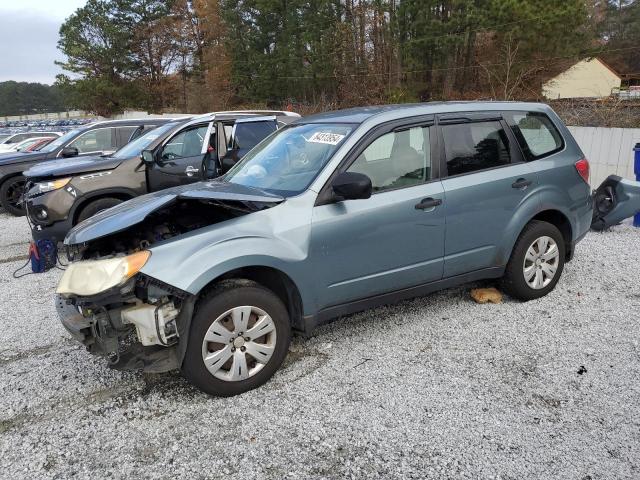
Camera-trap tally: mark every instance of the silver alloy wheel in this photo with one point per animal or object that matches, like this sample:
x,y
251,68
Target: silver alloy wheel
x,y
541,262
239,343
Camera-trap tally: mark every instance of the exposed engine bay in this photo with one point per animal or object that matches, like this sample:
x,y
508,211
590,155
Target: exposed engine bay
x,y
134,323
177,218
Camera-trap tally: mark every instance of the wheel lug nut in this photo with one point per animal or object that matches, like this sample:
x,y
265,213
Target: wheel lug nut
x,y
242,349
233,349
247,339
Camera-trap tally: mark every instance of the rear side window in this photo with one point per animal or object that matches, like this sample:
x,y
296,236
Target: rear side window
x,y
470,147
249,134
95,141
536,134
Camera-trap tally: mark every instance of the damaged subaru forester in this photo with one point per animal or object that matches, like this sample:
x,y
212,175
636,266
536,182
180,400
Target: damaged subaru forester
x,y
333,214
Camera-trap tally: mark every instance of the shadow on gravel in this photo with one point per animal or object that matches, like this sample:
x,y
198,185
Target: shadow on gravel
x,y
15,258
34,352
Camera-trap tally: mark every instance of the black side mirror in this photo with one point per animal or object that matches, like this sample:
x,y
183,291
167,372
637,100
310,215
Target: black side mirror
x,y
352,186
68,152
147,157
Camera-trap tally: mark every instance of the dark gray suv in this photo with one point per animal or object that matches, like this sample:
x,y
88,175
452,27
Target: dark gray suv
x,y
64,192
335,213
98,138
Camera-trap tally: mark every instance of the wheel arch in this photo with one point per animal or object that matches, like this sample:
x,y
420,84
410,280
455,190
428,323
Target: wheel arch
x,y
562,223
120,193
273,279
554,216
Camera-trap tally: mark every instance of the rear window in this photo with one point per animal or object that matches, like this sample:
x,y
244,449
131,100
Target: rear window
x,y
536,134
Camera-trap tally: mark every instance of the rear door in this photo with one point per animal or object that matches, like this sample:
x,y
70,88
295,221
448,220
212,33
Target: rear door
x,y
485,179
180,160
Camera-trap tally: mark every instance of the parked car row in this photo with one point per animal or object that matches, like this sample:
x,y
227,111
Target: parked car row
x,y
100,138
202,243
7,141
28,145
70,122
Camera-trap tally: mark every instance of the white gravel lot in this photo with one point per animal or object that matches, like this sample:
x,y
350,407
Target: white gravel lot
x,y
436,387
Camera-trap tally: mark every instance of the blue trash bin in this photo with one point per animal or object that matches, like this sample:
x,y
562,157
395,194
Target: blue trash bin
x,y
636,169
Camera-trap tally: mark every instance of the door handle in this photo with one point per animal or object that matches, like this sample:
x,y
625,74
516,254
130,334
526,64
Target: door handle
x,y
428,203
521,183
190,171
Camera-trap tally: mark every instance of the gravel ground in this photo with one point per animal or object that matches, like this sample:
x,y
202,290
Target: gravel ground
x,y
434,387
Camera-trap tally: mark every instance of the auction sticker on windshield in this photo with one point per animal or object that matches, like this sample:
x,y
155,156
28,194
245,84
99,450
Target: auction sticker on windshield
x,y
326,137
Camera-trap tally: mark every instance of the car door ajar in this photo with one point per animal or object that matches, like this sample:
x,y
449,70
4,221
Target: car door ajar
x,y
180,160
485,179
394,239
245,135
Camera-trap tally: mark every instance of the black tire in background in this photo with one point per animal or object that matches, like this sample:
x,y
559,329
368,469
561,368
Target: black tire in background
x,y
213,304
513,282
97,206
11,191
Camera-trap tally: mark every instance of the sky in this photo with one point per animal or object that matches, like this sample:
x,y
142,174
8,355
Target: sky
x,y
29,38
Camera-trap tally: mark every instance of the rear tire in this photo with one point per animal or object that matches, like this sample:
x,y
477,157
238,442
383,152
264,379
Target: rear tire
x,y
10,193
536,262
97,206
234,324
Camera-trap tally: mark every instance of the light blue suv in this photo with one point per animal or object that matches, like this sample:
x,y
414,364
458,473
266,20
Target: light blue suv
x,y
333,214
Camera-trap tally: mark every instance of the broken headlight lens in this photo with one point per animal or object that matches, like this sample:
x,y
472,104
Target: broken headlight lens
x,y
90,277
44,187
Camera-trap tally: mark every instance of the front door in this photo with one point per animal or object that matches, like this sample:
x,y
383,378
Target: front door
x,y
391,241
485,180
181,159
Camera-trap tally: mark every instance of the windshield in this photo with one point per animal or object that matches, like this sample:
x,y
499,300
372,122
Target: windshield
x,y
58,142
287,162
134,149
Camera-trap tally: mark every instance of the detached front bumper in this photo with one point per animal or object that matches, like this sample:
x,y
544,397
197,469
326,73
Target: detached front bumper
x,y
134,330
615,200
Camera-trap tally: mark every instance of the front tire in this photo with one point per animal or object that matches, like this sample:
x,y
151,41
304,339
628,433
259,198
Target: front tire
x,y
97,206
536,262
10,193
240,336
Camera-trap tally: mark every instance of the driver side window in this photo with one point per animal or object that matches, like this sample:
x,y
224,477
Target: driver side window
x,y
188,143
397,159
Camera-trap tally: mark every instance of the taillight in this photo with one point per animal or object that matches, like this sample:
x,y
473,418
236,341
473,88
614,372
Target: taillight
x,y
582,166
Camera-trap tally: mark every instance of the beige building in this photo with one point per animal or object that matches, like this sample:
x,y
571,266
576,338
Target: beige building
x,y
589,78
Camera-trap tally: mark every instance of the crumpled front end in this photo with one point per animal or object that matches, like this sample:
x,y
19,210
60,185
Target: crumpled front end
x,y
137,325
108,303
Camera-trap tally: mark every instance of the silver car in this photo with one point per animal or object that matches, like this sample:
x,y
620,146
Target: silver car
x,y
333,214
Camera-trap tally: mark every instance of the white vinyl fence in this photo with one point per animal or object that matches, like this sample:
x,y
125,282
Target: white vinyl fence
x,y
609,151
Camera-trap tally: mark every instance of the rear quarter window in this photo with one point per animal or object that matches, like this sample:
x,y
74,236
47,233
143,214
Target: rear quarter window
x,y
537,135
